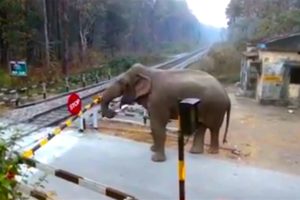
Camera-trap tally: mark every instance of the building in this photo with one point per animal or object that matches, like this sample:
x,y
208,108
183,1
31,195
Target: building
x,y
270,70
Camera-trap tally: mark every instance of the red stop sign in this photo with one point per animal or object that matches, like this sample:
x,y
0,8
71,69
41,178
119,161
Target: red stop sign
x,y
74,104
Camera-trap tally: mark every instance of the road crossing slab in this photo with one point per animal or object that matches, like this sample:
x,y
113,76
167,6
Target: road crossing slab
x,y
126,165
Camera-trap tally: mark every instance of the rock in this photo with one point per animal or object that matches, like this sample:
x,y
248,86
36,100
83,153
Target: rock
x,y
24,89
4,90
12,91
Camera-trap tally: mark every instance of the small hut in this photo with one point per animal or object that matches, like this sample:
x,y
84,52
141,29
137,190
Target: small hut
x,y
270,70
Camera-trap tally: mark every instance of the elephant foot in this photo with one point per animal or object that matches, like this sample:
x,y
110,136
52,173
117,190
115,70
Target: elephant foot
x,y
153,148
196,150
213,150
158,157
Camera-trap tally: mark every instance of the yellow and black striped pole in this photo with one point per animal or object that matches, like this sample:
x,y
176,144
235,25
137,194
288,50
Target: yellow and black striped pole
x,y
30,152
181,165
187,121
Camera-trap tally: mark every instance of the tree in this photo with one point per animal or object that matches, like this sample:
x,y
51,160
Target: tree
x,y
255,19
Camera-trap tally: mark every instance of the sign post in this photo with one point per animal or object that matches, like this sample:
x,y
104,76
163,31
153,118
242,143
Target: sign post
x,y
74,104
188,120
18,68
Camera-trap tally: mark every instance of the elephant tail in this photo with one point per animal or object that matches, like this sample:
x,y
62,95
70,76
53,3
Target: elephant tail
x,y
227,122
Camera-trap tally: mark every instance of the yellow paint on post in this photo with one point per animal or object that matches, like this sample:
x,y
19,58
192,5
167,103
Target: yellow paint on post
x,y
43,141
88,106
178,122
27,154
272,78
96,101
68,122
181,170
57,131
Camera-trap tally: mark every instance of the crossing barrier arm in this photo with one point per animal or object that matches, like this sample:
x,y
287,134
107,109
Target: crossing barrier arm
x,y
30,191
79,180
30,152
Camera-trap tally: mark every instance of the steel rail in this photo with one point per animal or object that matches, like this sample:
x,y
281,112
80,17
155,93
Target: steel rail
x,y
57,114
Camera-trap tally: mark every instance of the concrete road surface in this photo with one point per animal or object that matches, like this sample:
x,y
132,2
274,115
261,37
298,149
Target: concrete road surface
x,y
126,165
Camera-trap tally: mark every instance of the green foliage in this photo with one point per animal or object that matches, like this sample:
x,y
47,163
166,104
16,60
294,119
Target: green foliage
x,y
8,168
5,79
77,27
257,19
13,26
119,65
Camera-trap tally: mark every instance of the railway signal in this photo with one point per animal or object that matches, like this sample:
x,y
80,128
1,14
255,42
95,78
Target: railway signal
x,y
74,104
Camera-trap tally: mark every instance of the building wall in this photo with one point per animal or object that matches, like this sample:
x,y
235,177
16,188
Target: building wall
x,y
265,87
273,56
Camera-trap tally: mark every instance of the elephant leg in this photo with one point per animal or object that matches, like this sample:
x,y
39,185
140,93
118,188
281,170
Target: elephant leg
x,y
198,142
214,141
158,132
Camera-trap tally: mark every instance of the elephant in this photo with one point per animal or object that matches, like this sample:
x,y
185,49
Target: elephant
x,y
159,92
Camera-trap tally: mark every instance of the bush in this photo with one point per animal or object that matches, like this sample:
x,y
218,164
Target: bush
x,y
151,59
170,49
222,61
8,168
5,79
119,65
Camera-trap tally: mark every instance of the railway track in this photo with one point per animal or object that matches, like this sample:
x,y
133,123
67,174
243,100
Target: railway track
x,y
58,113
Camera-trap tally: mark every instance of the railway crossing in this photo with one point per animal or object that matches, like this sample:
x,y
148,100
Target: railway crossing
x,y
123,164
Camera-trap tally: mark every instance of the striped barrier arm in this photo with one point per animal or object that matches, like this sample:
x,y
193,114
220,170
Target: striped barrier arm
x,y
79,180
32,192
30,152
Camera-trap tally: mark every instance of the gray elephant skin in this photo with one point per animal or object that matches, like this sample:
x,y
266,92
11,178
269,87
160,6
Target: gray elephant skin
x,y
159,91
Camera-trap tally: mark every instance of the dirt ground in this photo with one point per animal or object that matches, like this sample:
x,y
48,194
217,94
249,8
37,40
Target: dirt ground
x,y
259,135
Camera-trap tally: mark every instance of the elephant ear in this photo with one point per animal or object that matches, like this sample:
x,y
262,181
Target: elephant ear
x,y
142,85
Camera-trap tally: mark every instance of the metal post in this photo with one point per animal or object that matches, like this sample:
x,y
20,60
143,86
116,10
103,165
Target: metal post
x,y
181,167
17,98
67,84
82,125
44,90
83,80
95,117
188,121
97,78
145,116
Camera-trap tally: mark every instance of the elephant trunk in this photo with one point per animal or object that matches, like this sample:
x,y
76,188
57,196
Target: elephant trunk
x,y
108,95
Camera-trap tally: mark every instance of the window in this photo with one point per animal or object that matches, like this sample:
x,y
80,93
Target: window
x,y
295,75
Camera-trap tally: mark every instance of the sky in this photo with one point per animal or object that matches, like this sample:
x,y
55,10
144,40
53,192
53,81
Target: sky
x,y
210,12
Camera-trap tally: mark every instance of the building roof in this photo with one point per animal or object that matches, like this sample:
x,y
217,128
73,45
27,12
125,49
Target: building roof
x,y
250,53
283,42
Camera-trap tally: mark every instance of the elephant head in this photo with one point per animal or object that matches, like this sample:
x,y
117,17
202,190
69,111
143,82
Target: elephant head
x,y
133,85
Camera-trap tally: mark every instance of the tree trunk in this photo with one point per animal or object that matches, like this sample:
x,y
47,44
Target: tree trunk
x,y
65,37
4,51
47,55
82,39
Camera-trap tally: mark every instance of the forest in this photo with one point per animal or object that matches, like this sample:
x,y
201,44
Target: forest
x,y
60,37
258,19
